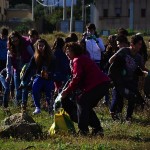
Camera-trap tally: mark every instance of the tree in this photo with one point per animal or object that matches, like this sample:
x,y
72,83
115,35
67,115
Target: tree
x,y
38,12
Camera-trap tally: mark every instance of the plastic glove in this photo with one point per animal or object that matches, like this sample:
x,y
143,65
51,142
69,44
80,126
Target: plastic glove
x,y
22,85
57,103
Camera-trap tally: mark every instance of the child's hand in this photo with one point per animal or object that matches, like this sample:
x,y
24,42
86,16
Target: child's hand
x,y
63,94
145,73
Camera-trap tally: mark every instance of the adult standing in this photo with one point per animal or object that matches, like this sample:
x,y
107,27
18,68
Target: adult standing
x,y
94,44
93,84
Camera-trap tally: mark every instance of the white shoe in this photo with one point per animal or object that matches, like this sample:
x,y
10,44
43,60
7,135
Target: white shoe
x,y
37,111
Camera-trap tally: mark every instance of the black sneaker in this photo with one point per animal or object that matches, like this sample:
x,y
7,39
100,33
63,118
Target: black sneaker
x,y
82,133
23,108
114,116
129,120
7,111
98,131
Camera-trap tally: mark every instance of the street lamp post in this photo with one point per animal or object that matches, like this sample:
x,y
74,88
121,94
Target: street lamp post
x,y
32,10
83,13
86,13
71,17
131,23
64,10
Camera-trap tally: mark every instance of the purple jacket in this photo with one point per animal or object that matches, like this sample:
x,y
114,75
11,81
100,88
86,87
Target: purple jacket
x,y
25,56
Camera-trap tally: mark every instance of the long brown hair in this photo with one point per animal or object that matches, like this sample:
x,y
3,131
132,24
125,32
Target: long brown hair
x,y
47,57
12,48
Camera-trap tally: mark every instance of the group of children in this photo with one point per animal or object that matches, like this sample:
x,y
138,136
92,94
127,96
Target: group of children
x,y
90,65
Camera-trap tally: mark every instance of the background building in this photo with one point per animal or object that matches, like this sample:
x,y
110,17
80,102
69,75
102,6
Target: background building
x,y
112,14
17,15
4,5
58,2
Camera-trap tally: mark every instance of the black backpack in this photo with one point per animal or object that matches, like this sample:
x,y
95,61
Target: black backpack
x,y
117,70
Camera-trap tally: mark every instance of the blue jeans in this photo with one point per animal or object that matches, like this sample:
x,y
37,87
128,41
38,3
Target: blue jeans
x,y
117,102
129,92
6,87
41,85
21,94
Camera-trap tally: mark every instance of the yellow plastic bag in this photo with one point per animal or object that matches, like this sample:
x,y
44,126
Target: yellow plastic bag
x,y
62,123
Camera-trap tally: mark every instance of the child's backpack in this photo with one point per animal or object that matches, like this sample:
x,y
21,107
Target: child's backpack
x,y
117,70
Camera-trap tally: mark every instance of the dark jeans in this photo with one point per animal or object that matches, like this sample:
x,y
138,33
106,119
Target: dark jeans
x,y
21,94
131,94
117,102
85,104
2,66
82,111
6,90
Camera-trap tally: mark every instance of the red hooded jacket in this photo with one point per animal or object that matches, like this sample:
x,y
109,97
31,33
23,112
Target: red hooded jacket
x,y
86,74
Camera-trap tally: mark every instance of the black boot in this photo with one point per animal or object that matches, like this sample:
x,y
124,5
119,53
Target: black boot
x,y
98,131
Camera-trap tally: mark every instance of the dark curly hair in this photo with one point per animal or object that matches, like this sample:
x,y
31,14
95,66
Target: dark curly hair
x,y
74,47
136,38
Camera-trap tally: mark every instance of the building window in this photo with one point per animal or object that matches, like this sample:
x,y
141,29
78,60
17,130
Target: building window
x,y
2,17
118,12
128,12
143,13
105,13
117,2
5,12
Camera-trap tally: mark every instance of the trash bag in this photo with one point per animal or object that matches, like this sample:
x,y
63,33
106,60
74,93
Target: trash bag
x,y
147,86
62,123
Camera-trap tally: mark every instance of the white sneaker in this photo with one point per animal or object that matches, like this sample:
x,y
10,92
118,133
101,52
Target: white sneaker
x,y
37,111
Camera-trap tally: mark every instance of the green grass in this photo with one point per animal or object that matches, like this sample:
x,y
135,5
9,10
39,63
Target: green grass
x,y
118,135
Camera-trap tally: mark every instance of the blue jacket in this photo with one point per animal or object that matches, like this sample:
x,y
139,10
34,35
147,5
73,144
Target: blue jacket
x,y
3,49
62,68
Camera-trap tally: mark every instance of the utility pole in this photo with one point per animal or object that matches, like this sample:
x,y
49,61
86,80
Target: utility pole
x,y
83,6
131,19
32,10
71,17
87,6
64,9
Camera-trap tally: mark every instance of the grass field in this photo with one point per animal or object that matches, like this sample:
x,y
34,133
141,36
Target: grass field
x,y
119,135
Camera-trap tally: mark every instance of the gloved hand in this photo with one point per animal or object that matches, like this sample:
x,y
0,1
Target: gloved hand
x,y
139,71
94,38
22,85
57,103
